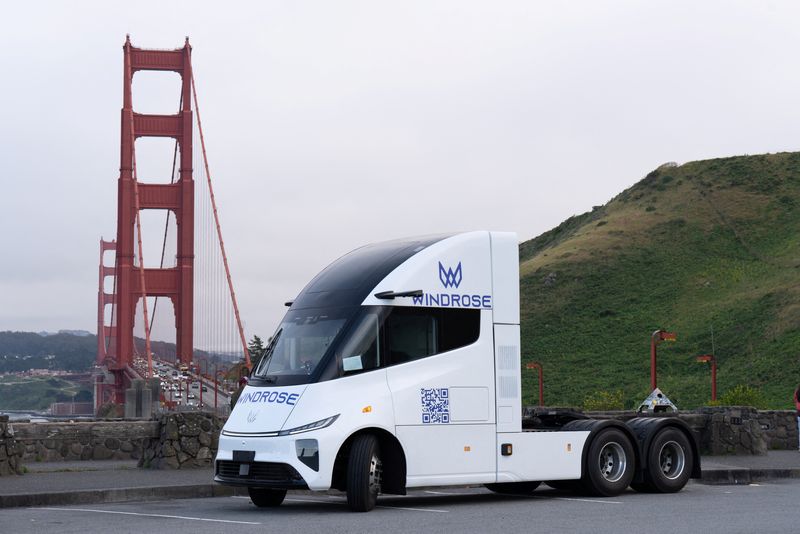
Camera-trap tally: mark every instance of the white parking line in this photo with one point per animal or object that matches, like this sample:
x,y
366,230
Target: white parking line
x,y
596,501
377,506
552,498
335,500
415,509
162,516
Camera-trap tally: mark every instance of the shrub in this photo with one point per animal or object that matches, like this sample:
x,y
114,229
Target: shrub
x,y
604,400
742,395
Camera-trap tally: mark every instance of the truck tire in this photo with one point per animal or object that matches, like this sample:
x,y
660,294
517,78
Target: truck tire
x,y
610,464
364,473
669,463
513,488
266,498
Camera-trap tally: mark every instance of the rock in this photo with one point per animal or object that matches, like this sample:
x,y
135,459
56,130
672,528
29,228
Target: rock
x,y
112,443
182,457
191,428
204,453
171,429
747,441
100,452
76,449
190,445
205,439
170,463
205,425
168,450
126,446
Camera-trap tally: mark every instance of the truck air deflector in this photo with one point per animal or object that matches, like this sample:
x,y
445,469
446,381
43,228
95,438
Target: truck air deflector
x,y
349,280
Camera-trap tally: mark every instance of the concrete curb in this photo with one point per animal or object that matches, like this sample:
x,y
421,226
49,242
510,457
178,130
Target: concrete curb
x,y
744,476
112,495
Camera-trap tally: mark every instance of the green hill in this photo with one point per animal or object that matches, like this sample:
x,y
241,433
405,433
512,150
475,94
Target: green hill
x,y
708,244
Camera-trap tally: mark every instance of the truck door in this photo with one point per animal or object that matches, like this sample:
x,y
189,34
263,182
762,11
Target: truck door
x,y
441,377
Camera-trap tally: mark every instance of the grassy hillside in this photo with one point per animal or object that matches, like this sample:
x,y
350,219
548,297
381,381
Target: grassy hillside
x,y
21,351
38,392
708,244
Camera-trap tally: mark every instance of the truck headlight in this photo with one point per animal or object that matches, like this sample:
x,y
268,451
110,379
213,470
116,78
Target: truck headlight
x,y
322,423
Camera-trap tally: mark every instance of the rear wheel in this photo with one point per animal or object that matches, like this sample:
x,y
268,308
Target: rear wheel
x,y
610,464
513,488
669,462
266,498
364,473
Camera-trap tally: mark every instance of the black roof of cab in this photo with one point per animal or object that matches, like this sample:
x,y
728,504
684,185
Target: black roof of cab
x,y
348,280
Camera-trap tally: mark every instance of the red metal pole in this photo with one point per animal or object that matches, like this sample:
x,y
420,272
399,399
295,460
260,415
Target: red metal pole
x,y
216,383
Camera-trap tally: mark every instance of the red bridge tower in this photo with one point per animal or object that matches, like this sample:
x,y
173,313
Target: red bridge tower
x,y
176,282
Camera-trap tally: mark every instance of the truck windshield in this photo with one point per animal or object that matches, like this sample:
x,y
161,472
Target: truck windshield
x,y
297,348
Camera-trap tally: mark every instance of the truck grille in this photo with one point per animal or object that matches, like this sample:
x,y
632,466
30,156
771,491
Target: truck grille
x,y
269,472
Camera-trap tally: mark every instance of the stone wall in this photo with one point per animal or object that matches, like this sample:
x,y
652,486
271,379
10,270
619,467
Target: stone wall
x,y
780,428
185,440
85,440
10,450
732,430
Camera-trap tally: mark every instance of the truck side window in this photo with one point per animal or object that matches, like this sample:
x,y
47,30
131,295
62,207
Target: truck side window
x,y
361,351
414,333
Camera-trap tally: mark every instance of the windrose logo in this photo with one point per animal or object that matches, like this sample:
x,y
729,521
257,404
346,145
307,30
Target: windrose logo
x,y
450,277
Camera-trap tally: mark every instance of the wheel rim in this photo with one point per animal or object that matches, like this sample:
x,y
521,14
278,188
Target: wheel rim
x,y
375,474
612,461
672,459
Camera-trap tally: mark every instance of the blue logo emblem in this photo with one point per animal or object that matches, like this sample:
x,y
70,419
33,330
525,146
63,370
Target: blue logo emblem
x,y
450,277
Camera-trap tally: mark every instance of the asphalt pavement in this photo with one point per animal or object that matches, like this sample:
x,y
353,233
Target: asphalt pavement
x,y
60,483
764,508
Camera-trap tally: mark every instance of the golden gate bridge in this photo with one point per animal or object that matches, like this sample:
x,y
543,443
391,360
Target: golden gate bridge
x,y
197,282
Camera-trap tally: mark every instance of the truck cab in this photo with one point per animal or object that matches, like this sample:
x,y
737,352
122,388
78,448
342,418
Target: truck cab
x,y
399,365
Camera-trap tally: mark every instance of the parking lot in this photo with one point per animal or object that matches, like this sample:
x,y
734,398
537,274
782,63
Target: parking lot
x,y
754,508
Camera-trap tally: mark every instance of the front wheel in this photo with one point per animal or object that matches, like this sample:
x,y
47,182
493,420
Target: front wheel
x,y
364,473
610,464
266,498
513,488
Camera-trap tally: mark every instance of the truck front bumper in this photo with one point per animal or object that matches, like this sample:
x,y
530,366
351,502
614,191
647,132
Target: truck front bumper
x,y
279,462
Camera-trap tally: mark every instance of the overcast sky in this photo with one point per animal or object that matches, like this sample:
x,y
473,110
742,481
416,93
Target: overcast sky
x,y
334,124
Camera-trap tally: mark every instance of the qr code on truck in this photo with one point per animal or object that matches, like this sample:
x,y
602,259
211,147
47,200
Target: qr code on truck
x,y
435,405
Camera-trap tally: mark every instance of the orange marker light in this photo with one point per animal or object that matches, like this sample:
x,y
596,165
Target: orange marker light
x,y
467,448
366,409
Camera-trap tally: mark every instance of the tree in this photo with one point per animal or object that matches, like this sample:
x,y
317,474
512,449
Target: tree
x,y
256,348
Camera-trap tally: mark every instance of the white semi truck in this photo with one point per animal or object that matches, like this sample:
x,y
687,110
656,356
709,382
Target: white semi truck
x,y
398,366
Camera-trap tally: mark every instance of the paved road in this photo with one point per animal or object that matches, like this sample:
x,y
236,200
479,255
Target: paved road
x,y
760,508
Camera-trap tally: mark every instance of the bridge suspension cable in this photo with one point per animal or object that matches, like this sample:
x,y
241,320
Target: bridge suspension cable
x,y
218,228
